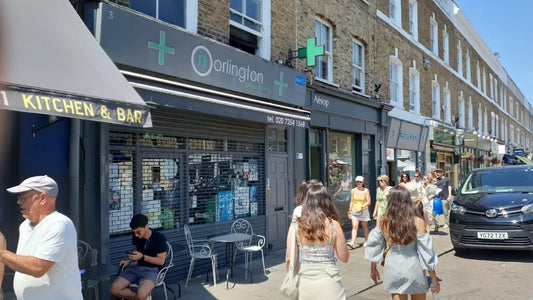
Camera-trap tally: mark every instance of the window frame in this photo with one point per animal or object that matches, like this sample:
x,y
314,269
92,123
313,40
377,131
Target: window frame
x,y
434,36
264,34
328,52
413,19
461,110
361,67
414,87
394,60
447,105
435,100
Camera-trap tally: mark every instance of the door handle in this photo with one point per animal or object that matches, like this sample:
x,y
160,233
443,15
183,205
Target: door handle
x,y
278,208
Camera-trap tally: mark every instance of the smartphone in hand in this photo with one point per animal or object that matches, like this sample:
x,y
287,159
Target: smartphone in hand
x,y
128,252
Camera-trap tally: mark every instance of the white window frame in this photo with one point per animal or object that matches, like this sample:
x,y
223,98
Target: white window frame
x,y
461,110
459,59
413,19
491,86
434,36
484,81
478,72
447,104
468,70
395,12
479,119
470,113
485,121
445,46
511,106
492,122
396,87
504,100
328,52
496,100
435,100
497,133
191,15
360,67
414,90
263,35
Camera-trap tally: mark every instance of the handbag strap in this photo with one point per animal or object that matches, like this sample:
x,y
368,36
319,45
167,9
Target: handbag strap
x,y
293,246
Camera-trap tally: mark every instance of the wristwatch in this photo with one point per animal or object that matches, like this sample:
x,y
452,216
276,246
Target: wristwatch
x,y
142,257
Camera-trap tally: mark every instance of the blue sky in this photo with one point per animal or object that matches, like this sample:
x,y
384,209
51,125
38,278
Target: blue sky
x,y
506,26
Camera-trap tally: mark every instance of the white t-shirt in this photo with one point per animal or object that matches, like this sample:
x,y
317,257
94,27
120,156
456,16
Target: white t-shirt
x,y
296,213
53,239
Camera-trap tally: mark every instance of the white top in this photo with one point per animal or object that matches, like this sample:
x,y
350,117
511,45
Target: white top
x,y
53,239
296,213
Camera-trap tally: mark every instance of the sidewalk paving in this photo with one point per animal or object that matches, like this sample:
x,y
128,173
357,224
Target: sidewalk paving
x,y
355,274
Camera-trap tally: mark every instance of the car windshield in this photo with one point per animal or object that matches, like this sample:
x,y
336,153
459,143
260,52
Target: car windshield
x,y
505,180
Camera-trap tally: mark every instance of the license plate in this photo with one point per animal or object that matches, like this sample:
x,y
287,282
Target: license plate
x,y
492,235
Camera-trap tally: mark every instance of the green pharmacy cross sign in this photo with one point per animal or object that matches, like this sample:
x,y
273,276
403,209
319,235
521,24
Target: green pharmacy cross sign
x,y
311,52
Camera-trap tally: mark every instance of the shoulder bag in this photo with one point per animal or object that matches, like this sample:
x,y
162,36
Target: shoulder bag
x,y
289,287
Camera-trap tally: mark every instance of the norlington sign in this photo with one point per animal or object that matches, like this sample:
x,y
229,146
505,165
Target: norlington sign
x,y
172,51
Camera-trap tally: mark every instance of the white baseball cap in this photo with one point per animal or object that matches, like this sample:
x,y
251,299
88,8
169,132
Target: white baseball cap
x,y
42,184
359,178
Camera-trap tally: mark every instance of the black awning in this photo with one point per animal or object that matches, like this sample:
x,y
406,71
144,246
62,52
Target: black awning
x,y
52,64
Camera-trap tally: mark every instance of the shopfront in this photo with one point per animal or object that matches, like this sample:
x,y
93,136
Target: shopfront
x,y
345,140
406,145
228,136
443,152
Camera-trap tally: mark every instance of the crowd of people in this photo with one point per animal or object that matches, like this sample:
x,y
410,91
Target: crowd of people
x,y
401,240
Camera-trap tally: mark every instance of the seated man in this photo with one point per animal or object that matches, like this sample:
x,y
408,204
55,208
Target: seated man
x,y
150,253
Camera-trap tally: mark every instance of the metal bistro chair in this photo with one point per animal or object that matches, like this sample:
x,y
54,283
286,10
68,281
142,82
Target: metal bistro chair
x,y
200,249
248,247
87,256
169,263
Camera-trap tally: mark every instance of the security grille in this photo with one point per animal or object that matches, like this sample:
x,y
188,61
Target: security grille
x,y
186,170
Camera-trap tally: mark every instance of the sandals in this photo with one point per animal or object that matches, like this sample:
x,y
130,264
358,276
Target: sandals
x,y
350,246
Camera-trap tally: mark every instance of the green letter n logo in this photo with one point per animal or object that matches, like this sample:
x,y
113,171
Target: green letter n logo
x,y
202,61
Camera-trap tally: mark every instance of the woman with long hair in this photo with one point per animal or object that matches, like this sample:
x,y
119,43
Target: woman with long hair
x,y
402,236
319,239
300,197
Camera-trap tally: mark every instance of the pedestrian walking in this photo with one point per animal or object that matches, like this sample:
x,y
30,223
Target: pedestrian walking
x,y
402,242
382,197
360,201
319,239
46,261
445,184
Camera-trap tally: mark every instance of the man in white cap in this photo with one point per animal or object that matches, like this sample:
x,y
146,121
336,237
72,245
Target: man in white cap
x,y
46,262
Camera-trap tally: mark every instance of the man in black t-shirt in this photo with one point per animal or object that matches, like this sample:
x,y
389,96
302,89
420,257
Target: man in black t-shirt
x,y
445,194
150,253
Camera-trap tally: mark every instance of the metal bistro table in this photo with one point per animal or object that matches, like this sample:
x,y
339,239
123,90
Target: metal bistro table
x,y
97,273
230,239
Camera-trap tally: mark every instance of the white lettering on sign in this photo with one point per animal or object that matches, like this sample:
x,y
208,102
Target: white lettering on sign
x,y
321,101
285,121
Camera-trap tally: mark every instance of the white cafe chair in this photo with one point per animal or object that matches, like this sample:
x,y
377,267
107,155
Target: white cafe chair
x,y
248,246
200,249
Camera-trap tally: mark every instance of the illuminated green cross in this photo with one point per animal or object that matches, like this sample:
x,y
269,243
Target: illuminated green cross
x,y
161,47
281,84
311,52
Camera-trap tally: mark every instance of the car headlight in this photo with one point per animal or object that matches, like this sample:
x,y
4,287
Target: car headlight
x,y
457,209
527,209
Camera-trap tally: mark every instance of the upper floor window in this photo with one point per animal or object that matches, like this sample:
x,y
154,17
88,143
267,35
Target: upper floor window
x,y
435,99
478,75
445,47
324,66
396,79
447,105
491,85
358,58
170,11
413,19
433,36
470,113
511,106
492,123
461,110
395,11
468,71
485,121
250,26
504,99
496,90
484,81
479,118
459,59
414,90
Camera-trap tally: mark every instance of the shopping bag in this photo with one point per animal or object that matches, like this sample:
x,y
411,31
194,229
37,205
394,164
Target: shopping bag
x,y
437,206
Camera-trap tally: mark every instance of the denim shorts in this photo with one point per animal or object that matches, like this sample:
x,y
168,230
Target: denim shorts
x,y
137,274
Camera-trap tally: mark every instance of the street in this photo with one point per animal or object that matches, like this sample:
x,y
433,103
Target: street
x,y
478,274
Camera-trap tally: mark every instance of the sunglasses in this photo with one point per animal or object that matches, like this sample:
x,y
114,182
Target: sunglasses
x,y
359,181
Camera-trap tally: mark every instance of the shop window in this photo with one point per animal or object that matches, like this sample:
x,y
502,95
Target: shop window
x,y
340,165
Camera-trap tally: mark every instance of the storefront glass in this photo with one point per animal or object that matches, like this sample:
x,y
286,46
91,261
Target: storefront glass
x,y
340,165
